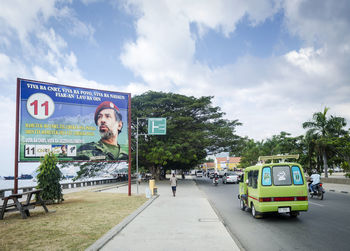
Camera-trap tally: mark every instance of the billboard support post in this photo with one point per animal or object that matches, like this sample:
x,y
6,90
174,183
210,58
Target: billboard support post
x,y
16,136
129,171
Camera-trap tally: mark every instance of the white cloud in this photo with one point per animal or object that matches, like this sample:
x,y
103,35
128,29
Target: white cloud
x,y
5,64
54,42
163,54
7,134
307,59
75,27
322,22
268,95
25,16
87,2
137,88
10,69
33,49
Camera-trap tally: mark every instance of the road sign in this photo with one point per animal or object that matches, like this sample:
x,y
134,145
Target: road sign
x,y
156,126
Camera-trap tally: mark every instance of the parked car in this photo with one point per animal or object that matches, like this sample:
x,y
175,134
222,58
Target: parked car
x,y
222,172
230,177
199,174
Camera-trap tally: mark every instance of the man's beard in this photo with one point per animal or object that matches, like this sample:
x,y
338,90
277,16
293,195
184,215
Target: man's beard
x,y
107,134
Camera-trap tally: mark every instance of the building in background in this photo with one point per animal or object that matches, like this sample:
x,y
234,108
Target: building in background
x,y
227,163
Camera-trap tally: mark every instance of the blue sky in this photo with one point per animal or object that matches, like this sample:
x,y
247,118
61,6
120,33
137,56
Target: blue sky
x,y
268,63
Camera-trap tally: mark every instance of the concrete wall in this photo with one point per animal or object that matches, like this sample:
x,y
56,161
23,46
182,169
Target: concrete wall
x,y
336,180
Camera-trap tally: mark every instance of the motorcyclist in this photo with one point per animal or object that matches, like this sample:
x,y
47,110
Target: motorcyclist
x,y
216,177
315,178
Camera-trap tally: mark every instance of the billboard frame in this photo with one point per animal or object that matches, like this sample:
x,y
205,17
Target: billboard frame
x,y
17,143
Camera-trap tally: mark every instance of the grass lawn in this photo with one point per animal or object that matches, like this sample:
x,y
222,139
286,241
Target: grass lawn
x,y
75,224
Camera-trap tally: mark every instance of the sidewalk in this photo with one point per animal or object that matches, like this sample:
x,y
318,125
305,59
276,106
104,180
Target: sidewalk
x,y
337,188
184,222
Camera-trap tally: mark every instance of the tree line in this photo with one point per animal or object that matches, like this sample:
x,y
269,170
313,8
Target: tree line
x,y
196,128
325,144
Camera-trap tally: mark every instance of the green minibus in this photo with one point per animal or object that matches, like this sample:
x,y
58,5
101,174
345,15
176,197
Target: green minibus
x,y
273,188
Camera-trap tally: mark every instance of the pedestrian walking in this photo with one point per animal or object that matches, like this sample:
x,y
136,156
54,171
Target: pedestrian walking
x,y
173,183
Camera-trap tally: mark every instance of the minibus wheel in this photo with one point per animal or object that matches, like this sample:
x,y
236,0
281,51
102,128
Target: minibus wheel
x,y
255,214
242,205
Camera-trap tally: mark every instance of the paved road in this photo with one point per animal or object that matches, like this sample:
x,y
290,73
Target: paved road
x,y
326,226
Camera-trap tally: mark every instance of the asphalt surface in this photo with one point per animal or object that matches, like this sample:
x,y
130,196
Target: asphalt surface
x,y
326,226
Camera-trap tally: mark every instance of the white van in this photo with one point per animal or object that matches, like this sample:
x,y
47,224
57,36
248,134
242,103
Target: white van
x,y
199,173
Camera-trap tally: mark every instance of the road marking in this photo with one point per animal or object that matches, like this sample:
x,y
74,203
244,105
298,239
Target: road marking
x,y
208,220
313,203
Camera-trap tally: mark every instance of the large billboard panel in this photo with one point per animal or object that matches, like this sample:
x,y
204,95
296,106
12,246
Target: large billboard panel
x,y
77,124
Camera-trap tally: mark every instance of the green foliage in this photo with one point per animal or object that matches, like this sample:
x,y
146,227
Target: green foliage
x,y
323,137
345,166
194,129
277,144
48,179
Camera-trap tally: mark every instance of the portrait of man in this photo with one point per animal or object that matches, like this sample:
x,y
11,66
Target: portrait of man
x,y
109,121
63,152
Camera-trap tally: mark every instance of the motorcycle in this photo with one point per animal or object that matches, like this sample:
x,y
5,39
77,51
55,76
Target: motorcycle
x,y
318,191
215,181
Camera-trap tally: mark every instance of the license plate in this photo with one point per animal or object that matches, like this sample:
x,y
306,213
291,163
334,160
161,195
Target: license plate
x,y
283,210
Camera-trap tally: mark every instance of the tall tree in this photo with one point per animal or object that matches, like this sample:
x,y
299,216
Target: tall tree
x,y
324,130
277,144
194,128
250,153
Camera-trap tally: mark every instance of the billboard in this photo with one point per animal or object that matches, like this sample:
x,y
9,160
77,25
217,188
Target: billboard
x,y
76,124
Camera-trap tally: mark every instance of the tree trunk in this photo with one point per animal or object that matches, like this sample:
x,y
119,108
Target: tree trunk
x,y
325,164
310,167
155,170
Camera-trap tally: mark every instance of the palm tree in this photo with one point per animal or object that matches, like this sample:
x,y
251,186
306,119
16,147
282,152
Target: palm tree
x,y
322,130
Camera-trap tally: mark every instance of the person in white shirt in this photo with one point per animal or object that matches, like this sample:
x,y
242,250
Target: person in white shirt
x,y
315,178
173,183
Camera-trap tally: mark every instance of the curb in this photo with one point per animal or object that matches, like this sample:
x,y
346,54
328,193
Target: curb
x,y
221,219
233,236
110,187
115,230
335,191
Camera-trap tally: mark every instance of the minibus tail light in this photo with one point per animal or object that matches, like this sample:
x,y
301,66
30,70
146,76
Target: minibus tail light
x,y
265,199
284,199
302,198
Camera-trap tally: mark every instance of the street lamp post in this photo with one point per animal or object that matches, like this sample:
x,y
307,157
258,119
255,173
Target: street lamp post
x,y
137,152
156,126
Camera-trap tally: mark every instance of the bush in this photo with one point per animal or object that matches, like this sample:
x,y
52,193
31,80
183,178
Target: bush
x,y
49,176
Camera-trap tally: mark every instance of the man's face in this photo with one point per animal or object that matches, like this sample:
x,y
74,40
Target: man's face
x,y
108,123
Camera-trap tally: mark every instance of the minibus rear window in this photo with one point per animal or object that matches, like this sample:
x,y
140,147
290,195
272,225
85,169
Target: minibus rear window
x,y
297,178
266,176
255,179
250,178
281,176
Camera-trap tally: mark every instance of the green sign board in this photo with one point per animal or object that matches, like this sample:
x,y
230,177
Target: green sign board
x,y
156,126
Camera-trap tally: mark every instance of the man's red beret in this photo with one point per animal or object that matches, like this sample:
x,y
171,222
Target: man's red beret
x,y
107,105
